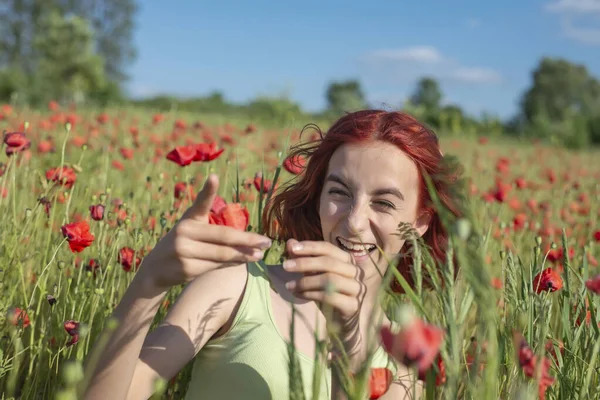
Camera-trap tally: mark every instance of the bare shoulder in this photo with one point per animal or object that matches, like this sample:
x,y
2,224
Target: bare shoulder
x,y
208,303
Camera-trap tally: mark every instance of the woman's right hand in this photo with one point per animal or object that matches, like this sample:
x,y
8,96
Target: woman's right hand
x,y
193,246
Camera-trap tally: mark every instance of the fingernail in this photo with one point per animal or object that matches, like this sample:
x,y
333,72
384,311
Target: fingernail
x,y
297,246
290,285
265,245
289,264
258,254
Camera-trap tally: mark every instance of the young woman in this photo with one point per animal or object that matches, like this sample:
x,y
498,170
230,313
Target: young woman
x,y
339,219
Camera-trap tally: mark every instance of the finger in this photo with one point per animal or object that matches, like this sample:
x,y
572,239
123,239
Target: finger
x,y
347,305
325,282
200,209
317,248
221,235
320,264
218,253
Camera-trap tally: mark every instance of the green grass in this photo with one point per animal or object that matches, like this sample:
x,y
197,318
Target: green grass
x,y
36,261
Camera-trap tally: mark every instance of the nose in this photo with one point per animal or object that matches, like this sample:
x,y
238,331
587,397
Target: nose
x,y
358,217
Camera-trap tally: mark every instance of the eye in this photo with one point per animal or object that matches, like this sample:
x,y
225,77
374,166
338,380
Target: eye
x,y
385,204
337,191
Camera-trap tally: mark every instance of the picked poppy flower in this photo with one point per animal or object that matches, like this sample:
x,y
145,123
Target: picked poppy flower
x,y
233,215
72,328
16,142
182,155
78,235
593,284
64,175
97,212
294,165
417,343
547,281
207,152
18,317
379,382
126,260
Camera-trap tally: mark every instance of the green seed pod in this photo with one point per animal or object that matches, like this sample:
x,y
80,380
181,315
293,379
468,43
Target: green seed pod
x,y
462,228
61,265
502,255
538,240
72,373
68,126
102,197
28,212
553,246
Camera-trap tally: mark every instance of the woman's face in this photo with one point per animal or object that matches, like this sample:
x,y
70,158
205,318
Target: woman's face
x,y
369,189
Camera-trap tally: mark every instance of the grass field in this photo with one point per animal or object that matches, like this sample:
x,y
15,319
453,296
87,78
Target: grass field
x,y
530,202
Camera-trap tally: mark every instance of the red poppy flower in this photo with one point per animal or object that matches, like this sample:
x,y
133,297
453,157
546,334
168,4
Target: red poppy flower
x,y
440,378
233,215
294,165
596,234
266,184
528,362
97,212
78,235
417,343
207,152
72,328
64,175
16,142
125,258
593,284
218,204
379,382
548,280
182,155
18,317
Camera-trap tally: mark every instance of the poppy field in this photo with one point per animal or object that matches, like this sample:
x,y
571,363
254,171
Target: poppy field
x,y
85,195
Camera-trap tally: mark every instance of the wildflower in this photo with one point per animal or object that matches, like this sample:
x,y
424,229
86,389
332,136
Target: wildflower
x,y
207,152
596,234
294,165
548,280
16,142
529,362
218,204
266,184
78,235
417,343
97,212
593,284
182,155
126,260
233,215
64,175
18,317
72,328
180,191
380,380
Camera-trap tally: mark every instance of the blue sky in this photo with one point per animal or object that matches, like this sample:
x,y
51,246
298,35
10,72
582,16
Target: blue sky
x,y
482,52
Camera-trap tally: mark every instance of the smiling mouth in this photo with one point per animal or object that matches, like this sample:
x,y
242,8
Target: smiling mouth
x,y
355,249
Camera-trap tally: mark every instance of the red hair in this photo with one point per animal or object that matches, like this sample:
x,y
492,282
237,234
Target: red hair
x,y
293,213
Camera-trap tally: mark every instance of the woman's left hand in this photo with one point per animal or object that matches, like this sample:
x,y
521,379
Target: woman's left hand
x,y
330,277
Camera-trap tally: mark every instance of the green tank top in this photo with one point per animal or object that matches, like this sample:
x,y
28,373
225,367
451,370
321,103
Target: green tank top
x,y
250,361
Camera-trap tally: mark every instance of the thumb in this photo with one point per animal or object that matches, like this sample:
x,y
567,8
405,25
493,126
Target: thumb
x,y
203,203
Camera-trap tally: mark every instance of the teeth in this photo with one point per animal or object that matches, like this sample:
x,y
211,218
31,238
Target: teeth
x,y
356,248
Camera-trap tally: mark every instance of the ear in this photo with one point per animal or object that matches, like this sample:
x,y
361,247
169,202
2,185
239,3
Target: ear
x,y
422,222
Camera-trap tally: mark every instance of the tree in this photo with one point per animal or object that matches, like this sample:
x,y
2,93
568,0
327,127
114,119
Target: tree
x,y
111,20
563,101
344,97
427,94
68,67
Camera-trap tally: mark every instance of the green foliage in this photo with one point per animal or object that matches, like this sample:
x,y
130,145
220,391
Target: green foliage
x,y
67,63
346,96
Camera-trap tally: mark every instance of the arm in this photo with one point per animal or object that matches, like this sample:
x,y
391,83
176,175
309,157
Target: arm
x,y
132,361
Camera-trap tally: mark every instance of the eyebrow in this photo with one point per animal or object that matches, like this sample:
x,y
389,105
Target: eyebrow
x,y
378,192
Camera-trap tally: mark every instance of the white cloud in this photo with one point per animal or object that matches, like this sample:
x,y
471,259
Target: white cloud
x,y
420,54
475,75
473,23
581,11
574,6
404,65
585,35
